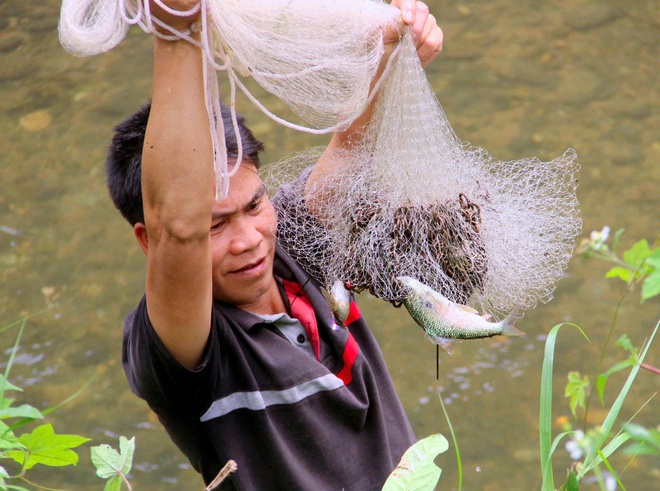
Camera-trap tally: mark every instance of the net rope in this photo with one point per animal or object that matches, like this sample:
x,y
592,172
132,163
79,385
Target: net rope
x,y
411,198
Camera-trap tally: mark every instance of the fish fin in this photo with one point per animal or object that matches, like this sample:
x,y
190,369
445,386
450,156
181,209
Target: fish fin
x,y
486,316
444,343
466,308
508,328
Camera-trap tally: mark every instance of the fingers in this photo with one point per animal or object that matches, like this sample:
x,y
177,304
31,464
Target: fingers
x,y
429,44
428,36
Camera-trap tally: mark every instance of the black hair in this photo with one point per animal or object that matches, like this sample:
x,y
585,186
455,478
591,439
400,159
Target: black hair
x,y
124,160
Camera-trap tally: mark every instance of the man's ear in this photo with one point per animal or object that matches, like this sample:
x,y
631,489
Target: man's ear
x,y
140,232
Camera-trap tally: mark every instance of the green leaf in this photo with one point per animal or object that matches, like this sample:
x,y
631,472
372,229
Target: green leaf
x,y
637,254
601,380
571,483
651,285
590,461
22,411
114,483
625,343
109,462
619,272
616,239
646,441
7,385
8,440
416,470
576,389
43,446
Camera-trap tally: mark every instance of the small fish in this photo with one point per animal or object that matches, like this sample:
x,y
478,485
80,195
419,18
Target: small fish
x,y
445,321
339,300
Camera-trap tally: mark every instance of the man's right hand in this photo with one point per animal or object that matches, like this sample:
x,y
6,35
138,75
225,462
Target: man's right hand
x,y
180,23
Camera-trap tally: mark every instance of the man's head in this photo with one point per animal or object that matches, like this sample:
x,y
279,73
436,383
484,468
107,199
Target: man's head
x,y
124,159
243,225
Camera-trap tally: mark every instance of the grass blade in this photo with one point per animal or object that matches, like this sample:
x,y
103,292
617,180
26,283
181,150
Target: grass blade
x,y
592,459
545,413
453,437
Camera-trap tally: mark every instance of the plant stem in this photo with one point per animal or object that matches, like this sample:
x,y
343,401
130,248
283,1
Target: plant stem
x,y
38,486
650,368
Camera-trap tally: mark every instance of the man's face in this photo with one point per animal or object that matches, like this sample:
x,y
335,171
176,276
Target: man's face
x,y
243,243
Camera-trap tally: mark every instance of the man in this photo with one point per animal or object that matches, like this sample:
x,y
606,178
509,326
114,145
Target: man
x,y
233,345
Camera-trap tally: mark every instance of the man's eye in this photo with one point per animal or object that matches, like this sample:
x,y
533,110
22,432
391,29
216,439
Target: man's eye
x,y
254,205
218,225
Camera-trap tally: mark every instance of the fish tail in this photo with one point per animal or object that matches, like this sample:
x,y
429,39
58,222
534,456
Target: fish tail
x,y
508,329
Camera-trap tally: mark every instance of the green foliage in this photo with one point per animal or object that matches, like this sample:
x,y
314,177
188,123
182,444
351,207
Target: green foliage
x,y
597,451
644,441
577,388
113,465
639,264
42,445
416,470
625,343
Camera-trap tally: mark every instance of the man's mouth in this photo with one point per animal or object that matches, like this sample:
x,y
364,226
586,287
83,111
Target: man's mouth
x,y
251,268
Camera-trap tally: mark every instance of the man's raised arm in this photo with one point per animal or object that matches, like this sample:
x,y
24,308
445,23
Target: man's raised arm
x,y
428,39
178,194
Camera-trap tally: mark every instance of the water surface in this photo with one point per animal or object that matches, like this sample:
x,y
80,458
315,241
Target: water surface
x,y
518,78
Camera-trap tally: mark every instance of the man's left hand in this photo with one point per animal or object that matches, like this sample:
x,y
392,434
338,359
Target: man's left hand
x,y
428,36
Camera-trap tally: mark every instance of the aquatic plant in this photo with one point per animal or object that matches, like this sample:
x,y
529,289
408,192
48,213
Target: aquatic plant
x,y
41,446
592,448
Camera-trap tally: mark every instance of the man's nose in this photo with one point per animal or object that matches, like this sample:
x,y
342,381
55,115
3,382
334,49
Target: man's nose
x,y
245,236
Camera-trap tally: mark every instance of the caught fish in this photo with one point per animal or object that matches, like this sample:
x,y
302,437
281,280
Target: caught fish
x,y
445,321
339,300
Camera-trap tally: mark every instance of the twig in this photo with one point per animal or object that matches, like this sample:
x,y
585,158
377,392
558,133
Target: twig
x,y
229,467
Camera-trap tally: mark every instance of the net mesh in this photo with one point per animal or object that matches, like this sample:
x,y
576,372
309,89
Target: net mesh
x,y
411,199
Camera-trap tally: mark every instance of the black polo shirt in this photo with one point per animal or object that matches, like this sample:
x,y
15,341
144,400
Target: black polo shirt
x,y
288,420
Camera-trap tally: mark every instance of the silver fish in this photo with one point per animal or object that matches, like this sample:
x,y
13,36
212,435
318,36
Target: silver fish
x,y
445,321
339,300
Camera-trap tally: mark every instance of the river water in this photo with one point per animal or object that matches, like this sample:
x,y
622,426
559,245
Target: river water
x,y
520,78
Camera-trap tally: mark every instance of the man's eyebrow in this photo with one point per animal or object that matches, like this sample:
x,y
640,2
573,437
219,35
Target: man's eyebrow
x,y
255,198
259,194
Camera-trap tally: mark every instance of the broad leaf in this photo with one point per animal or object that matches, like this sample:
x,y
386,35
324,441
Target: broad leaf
x,y
22,411
636,255
8,440
651,284
43,446
114,483
619,272
109,463
416,470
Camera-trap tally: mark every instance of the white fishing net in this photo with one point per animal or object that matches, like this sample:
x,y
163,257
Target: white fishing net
x,y
319,57
411,198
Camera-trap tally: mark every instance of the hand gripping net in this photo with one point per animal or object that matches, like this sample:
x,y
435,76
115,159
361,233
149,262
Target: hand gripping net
x,y
411,199
317,56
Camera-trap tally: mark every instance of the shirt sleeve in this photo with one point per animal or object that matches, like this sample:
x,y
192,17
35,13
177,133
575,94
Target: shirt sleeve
x,y
156,376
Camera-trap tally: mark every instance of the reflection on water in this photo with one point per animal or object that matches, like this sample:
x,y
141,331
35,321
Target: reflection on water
x,y
517,78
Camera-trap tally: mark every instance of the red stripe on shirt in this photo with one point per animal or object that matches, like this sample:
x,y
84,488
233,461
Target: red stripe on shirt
x,y
353,313
301,309
351,352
